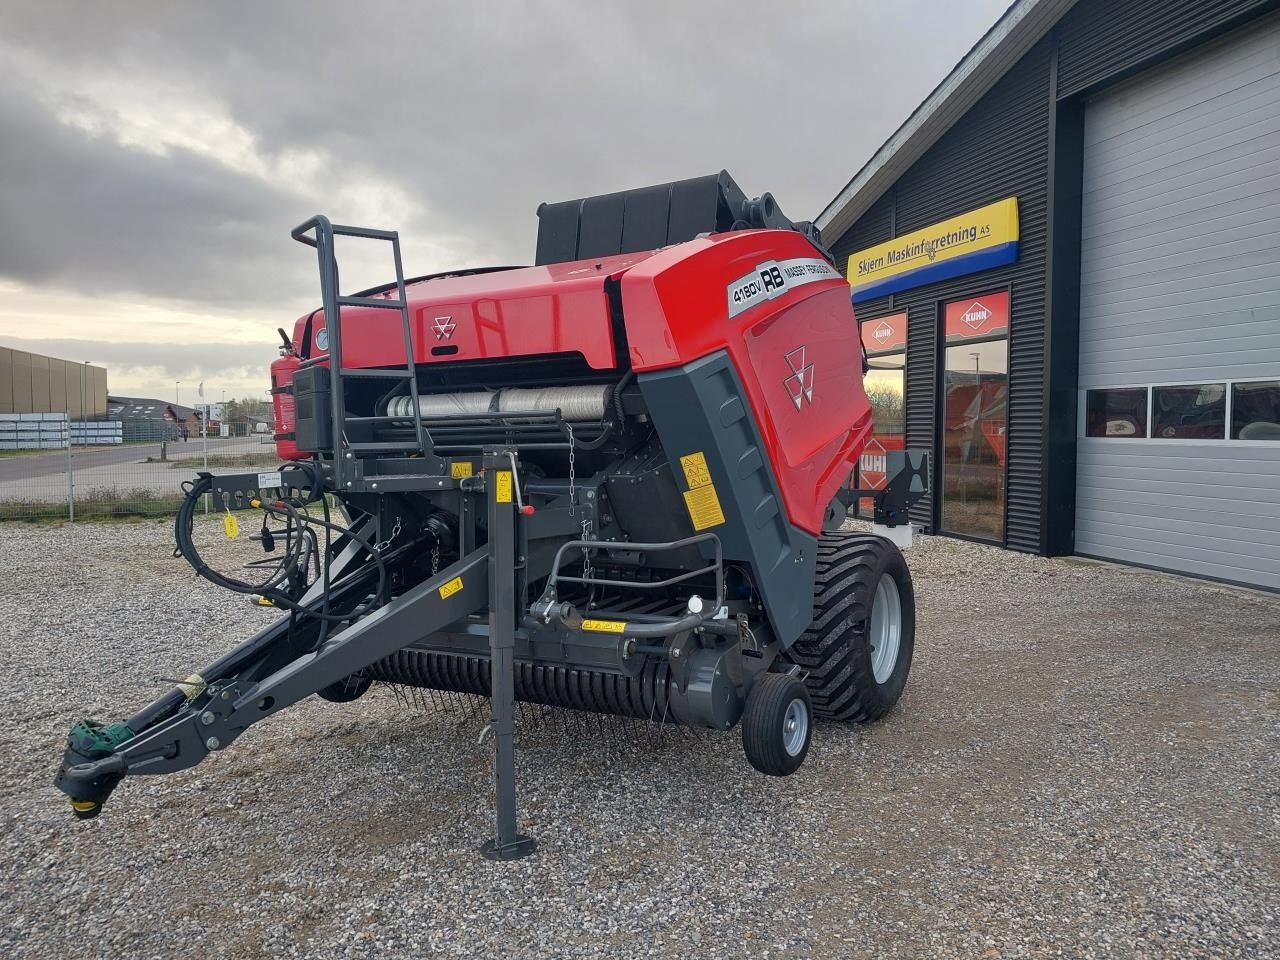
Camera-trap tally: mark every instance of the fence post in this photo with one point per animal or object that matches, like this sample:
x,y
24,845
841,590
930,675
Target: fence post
x,y
71,477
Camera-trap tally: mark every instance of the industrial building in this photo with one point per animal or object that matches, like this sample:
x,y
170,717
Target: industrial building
x,y
31,383
1064,263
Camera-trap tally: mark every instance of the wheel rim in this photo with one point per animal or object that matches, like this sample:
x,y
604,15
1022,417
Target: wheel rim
x,y
795,727
886,628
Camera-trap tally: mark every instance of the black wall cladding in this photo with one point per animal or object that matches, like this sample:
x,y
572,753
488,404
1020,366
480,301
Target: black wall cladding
x,y
1000,148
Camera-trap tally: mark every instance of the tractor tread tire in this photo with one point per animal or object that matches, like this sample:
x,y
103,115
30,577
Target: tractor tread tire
x,y
835,649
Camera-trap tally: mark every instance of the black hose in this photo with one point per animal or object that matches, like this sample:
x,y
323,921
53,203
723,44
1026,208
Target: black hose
x,y
290,561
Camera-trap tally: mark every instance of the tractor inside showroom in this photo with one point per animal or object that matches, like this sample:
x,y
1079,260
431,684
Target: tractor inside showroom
x,y
614,481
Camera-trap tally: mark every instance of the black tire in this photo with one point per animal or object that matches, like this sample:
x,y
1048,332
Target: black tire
x,y
765,725
345,691
836,649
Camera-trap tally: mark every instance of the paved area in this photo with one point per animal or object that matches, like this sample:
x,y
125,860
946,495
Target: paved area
x,y
124,469
1084,765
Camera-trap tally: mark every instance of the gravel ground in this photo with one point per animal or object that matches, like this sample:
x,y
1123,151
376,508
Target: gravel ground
x,y
1084,765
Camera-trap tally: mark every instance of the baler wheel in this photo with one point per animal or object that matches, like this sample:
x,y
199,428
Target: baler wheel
x,y
858,649
777,724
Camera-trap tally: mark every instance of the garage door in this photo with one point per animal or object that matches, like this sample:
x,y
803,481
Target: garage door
x,y
1179,439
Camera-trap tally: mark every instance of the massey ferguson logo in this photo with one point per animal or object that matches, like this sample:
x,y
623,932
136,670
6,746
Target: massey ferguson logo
x,y
444,327
976,316
800,384
882,332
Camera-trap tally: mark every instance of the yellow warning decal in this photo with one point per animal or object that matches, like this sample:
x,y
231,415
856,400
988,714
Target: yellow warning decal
x,y
696,472
502,486
450,588
460,469
701,500
704,507
604,626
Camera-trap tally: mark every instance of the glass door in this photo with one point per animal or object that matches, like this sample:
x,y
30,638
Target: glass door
x,y
975,403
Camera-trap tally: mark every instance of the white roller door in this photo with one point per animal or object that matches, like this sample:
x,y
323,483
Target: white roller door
x,y
1180,316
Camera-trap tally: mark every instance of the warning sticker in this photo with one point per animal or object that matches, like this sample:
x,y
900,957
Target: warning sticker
x,y
704,507
460,469
696,472
502,486
450,588
604,626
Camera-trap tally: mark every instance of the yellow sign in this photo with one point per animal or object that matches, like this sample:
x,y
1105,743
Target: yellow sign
x,y
700,499
460,469
704,508
604,626
973,241
502,486
696,471
450,588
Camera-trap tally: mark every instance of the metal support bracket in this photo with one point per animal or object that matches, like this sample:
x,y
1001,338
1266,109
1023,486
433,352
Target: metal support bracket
x,y
500,474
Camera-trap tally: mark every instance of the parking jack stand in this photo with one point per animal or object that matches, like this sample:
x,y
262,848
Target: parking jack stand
x,y
507,844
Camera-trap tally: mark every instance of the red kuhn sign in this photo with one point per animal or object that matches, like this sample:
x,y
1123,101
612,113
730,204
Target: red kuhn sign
x,y
885,334
972,317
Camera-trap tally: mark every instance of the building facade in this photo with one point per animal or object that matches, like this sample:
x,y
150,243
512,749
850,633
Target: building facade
x,y
1064,266
31,383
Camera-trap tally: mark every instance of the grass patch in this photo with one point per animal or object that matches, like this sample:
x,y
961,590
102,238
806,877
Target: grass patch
x,y
138,503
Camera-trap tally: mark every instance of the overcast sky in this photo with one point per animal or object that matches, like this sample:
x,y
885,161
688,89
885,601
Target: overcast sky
x,y
154,155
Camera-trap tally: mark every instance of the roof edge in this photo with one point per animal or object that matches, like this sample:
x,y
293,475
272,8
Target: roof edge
x,y
1019,28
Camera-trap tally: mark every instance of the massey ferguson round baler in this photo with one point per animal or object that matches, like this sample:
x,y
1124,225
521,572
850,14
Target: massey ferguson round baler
x,y
612,482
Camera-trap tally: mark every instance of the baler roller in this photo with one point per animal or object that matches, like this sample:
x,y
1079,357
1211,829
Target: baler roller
x,y
575,403
644,697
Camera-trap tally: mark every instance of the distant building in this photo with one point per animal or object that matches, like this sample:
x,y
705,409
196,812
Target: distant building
x,y
148,419
32,383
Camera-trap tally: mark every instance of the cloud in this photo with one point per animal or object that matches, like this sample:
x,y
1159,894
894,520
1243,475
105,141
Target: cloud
x,y
158,153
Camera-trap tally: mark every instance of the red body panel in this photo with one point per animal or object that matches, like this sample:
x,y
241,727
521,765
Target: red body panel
x,y
561,308
676,306
795,344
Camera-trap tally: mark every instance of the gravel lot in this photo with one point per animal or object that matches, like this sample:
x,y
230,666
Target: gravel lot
x,y
1084,764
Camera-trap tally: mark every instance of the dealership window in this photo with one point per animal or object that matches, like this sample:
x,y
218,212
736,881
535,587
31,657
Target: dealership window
x,y
1118,412
1191,412
885,341
1255,410
975,416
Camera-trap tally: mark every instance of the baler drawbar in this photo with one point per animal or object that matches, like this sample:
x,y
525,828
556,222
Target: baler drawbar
x,y
612,482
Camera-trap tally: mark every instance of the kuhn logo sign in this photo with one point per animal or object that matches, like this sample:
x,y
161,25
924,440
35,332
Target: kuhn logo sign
x,y
976,315
885,334
772,279
972,317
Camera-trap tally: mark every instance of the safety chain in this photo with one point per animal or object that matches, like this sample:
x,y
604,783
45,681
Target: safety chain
x,y
435,559
395,532
573,496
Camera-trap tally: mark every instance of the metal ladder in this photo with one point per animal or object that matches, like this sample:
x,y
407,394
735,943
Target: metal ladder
x,y
333,301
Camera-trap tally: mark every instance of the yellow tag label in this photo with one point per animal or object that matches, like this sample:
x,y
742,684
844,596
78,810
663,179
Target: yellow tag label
x,y
502,486
704,507
460,469
696,472
604,626
192,686
231,525
450,588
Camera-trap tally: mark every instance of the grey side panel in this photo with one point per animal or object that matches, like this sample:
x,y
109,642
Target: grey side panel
x,y
701,407
1180,283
